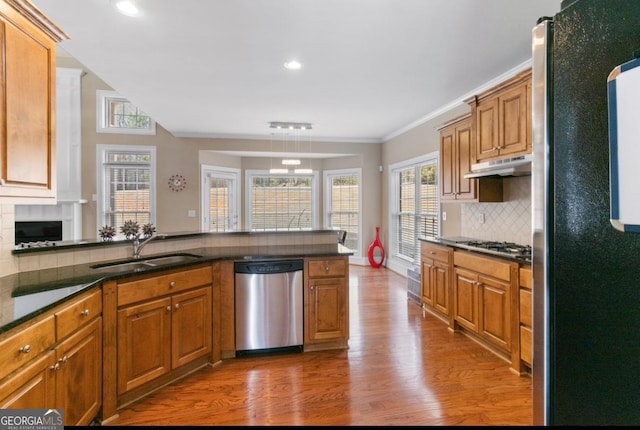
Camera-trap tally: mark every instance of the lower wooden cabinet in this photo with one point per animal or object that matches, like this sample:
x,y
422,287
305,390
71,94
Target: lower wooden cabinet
x,y
485,299
65,374
157,335
526,316
326,303
436,264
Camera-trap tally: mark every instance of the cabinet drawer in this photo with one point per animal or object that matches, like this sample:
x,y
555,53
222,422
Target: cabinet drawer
x,y
526,278
525,307
435,252
526,344
327,268
21,347
82,310
485,265
170,283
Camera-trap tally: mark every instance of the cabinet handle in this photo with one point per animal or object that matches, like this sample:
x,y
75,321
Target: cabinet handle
x,y
326,269
25,349
55,367
172,283
177,305
495,148
312,287
168,308
85,313
432,252
64,360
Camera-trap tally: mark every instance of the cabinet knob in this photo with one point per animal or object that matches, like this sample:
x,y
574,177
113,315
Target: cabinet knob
x,y
177,305
168,308
25,349
432,252
172,283
326,269
85,313
55,367
64,360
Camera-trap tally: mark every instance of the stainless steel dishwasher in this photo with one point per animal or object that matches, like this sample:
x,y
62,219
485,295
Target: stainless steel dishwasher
x,y
268,305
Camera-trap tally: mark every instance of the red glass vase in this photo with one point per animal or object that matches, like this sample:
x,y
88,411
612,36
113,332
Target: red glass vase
x,y
376,258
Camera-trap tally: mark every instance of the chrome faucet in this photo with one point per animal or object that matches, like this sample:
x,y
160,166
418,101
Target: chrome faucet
x,y
137,245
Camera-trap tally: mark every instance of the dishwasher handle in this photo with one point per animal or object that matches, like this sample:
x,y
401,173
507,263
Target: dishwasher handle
x,y
268,267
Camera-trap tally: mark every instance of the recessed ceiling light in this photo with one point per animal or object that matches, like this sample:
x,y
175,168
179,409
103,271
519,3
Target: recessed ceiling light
x,y
127,7
292,65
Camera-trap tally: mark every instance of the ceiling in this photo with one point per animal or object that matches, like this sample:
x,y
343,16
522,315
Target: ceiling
x,y
372,69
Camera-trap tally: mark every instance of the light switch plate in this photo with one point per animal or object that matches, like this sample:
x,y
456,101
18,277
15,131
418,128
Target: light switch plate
x,y
191,213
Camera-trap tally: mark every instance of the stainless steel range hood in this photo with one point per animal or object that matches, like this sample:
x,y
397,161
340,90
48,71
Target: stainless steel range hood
x,y
515,166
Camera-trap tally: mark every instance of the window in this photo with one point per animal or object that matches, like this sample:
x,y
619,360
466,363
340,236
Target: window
x,y
115,114
416,206
342,205
126,185
220,199
281,202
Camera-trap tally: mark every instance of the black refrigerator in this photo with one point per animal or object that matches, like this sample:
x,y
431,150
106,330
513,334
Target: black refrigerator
x,y
586,288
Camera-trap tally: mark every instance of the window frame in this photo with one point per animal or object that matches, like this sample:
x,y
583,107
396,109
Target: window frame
x,y
207,172
250,174
327,180
102,116
102,185
397,262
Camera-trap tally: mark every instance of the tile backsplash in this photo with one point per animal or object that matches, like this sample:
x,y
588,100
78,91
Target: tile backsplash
x,y
509,221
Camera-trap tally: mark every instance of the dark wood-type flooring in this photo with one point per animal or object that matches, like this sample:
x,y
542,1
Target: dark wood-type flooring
x,y
402,368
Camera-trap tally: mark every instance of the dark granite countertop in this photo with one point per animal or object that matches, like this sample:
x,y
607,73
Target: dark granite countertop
x,y
453,242
37,291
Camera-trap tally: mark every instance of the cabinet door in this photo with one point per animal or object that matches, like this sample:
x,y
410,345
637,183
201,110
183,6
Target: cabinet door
x,y
487,126
466,188
190,326
144,343
328,314
32,387
27,120
79,376
427,281
466,299
448,162
496,306
441,287
513,121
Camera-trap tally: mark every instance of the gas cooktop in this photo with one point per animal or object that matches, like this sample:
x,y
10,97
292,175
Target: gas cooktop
x,y
502,249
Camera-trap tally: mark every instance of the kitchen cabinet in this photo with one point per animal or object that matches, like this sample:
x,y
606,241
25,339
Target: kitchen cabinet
x,y
501,120
27,104
326,303
164,323
456,153
526,316
437,262
56,362
485,299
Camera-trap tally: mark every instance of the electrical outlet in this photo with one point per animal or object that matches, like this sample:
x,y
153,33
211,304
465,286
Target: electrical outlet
x,y
481,218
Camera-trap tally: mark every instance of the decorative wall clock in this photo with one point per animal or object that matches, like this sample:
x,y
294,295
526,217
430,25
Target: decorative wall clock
x,y
177,182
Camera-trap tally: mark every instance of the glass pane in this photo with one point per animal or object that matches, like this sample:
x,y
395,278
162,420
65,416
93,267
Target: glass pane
x,y
219,205
281,203
345,207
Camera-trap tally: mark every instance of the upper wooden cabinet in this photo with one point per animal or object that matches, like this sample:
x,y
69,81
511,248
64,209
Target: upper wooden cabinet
x,y
27,103
456,153
501,120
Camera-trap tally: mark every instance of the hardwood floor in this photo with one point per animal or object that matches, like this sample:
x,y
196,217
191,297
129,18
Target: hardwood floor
x,y
402,368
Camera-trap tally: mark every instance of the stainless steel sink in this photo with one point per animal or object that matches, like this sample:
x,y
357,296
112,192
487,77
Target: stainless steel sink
x,y
132,266
172,259
146,263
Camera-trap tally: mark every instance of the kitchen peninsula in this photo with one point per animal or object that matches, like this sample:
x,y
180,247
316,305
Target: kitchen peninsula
x,y
107,319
